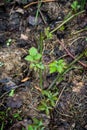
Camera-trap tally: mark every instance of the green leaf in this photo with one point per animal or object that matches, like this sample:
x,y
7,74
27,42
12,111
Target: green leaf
x,y
30,127
52,70
47,33
41,108
86,53
62,28
60,61
52,103
46,93
53,67
32,66
60,69
33,51
11,93
74,5
29,58
37,56
40,66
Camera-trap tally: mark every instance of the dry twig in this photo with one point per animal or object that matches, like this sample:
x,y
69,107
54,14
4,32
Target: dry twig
x,y
69,53
36,2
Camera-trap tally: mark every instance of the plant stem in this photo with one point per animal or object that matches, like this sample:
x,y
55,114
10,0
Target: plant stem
x,y
74,15
41,51
41,79
59,77
38,8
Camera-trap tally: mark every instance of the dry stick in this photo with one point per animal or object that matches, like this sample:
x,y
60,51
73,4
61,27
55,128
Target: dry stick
x,y
36,2
79,31
60,95
67,20
62,44
42,17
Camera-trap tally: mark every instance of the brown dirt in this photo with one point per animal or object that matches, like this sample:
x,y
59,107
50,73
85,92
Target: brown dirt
x,y
70,111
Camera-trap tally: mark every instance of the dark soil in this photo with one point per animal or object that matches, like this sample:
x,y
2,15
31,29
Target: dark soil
x,y
18,24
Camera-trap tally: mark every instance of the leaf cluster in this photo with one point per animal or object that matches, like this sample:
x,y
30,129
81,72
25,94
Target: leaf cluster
x,y
35,59
78,5
37,125
57,66
47,33
48,102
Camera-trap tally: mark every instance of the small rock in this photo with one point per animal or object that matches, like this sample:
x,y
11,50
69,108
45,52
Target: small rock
x,y
21,43
31,20
7,84
86,127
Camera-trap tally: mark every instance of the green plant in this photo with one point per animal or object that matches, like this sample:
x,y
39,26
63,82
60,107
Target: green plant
x,y
78,5
82,4
17,116
62,28
57,66
75,6
47,33
8,42
48,102
11,93
38,9
37,125
34,58
44,107
3,117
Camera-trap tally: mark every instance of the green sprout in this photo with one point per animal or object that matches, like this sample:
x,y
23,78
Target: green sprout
x,y
36,64
11,94
75,6
8,42
35,59
48,102
57,66
47,33
37,125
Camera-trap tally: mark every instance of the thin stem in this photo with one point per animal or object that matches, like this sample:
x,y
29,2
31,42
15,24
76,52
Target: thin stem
x,y
38,8
67,21
41,79
41,51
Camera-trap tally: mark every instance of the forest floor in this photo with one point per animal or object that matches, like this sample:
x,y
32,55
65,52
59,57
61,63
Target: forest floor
x,y
18,33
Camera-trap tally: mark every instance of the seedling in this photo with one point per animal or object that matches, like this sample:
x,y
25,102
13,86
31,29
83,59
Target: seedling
x,y
9,42
50,97
82,4
62,28
17,116
34,58
48,102
37,125
11,94
75,6
47,33
57,66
